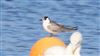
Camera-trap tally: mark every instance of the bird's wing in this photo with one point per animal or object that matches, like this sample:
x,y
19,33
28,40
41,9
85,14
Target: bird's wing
x,y
60,28
58,24
55,27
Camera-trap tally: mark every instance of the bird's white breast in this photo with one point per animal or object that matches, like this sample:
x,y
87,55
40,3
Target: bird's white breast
x,y
45,26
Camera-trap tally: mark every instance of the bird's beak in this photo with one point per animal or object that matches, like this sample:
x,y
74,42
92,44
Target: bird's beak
x,y
40,19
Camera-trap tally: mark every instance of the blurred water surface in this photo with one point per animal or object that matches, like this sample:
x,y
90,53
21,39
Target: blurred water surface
x,y
21,27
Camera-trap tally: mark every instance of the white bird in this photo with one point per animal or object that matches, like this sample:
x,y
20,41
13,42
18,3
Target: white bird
x,y
54,28
73,49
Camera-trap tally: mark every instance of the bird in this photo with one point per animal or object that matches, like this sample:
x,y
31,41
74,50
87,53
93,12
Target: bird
x,y
71,49
53,27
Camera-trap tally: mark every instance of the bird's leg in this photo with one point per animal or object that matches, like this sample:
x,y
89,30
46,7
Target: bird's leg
x,y
51,35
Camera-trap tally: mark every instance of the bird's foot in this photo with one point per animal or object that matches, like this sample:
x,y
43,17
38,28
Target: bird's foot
x,y
51,35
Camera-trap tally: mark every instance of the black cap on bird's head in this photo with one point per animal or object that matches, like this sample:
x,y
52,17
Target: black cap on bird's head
x,y
45,17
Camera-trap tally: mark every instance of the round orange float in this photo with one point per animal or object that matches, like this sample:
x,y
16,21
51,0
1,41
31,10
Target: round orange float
x,y
43,44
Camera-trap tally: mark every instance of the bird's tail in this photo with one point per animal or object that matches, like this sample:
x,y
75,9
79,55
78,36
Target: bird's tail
x,y
69,29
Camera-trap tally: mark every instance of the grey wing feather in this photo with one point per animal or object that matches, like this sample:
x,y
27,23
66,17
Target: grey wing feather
x,y
65,27
69,28
72,28
56,24
54,27
60,28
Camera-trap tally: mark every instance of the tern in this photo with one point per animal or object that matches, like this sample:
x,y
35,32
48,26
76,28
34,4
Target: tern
x,y
53,27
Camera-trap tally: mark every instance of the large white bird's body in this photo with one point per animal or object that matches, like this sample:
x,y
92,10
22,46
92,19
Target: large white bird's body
x,y
73,48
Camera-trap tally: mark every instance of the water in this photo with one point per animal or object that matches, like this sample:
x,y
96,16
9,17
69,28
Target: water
x,y
21,27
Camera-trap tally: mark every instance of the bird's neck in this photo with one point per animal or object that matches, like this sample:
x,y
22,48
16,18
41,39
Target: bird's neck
x,y
73,50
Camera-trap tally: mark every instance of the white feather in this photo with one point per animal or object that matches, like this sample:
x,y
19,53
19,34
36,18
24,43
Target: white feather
x,y
73,49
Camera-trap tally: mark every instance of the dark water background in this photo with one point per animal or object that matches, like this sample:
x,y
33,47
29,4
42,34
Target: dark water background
x,y
21,28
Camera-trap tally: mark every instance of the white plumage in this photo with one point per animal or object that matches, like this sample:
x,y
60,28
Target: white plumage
x,y
73,49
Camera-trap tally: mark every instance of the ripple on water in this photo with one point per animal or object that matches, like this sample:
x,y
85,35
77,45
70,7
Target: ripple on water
x,y
21,26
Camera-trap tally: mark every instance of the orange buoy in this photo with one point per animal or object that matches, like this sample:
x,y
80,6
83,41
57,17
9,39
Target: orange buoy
x,y
43,44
